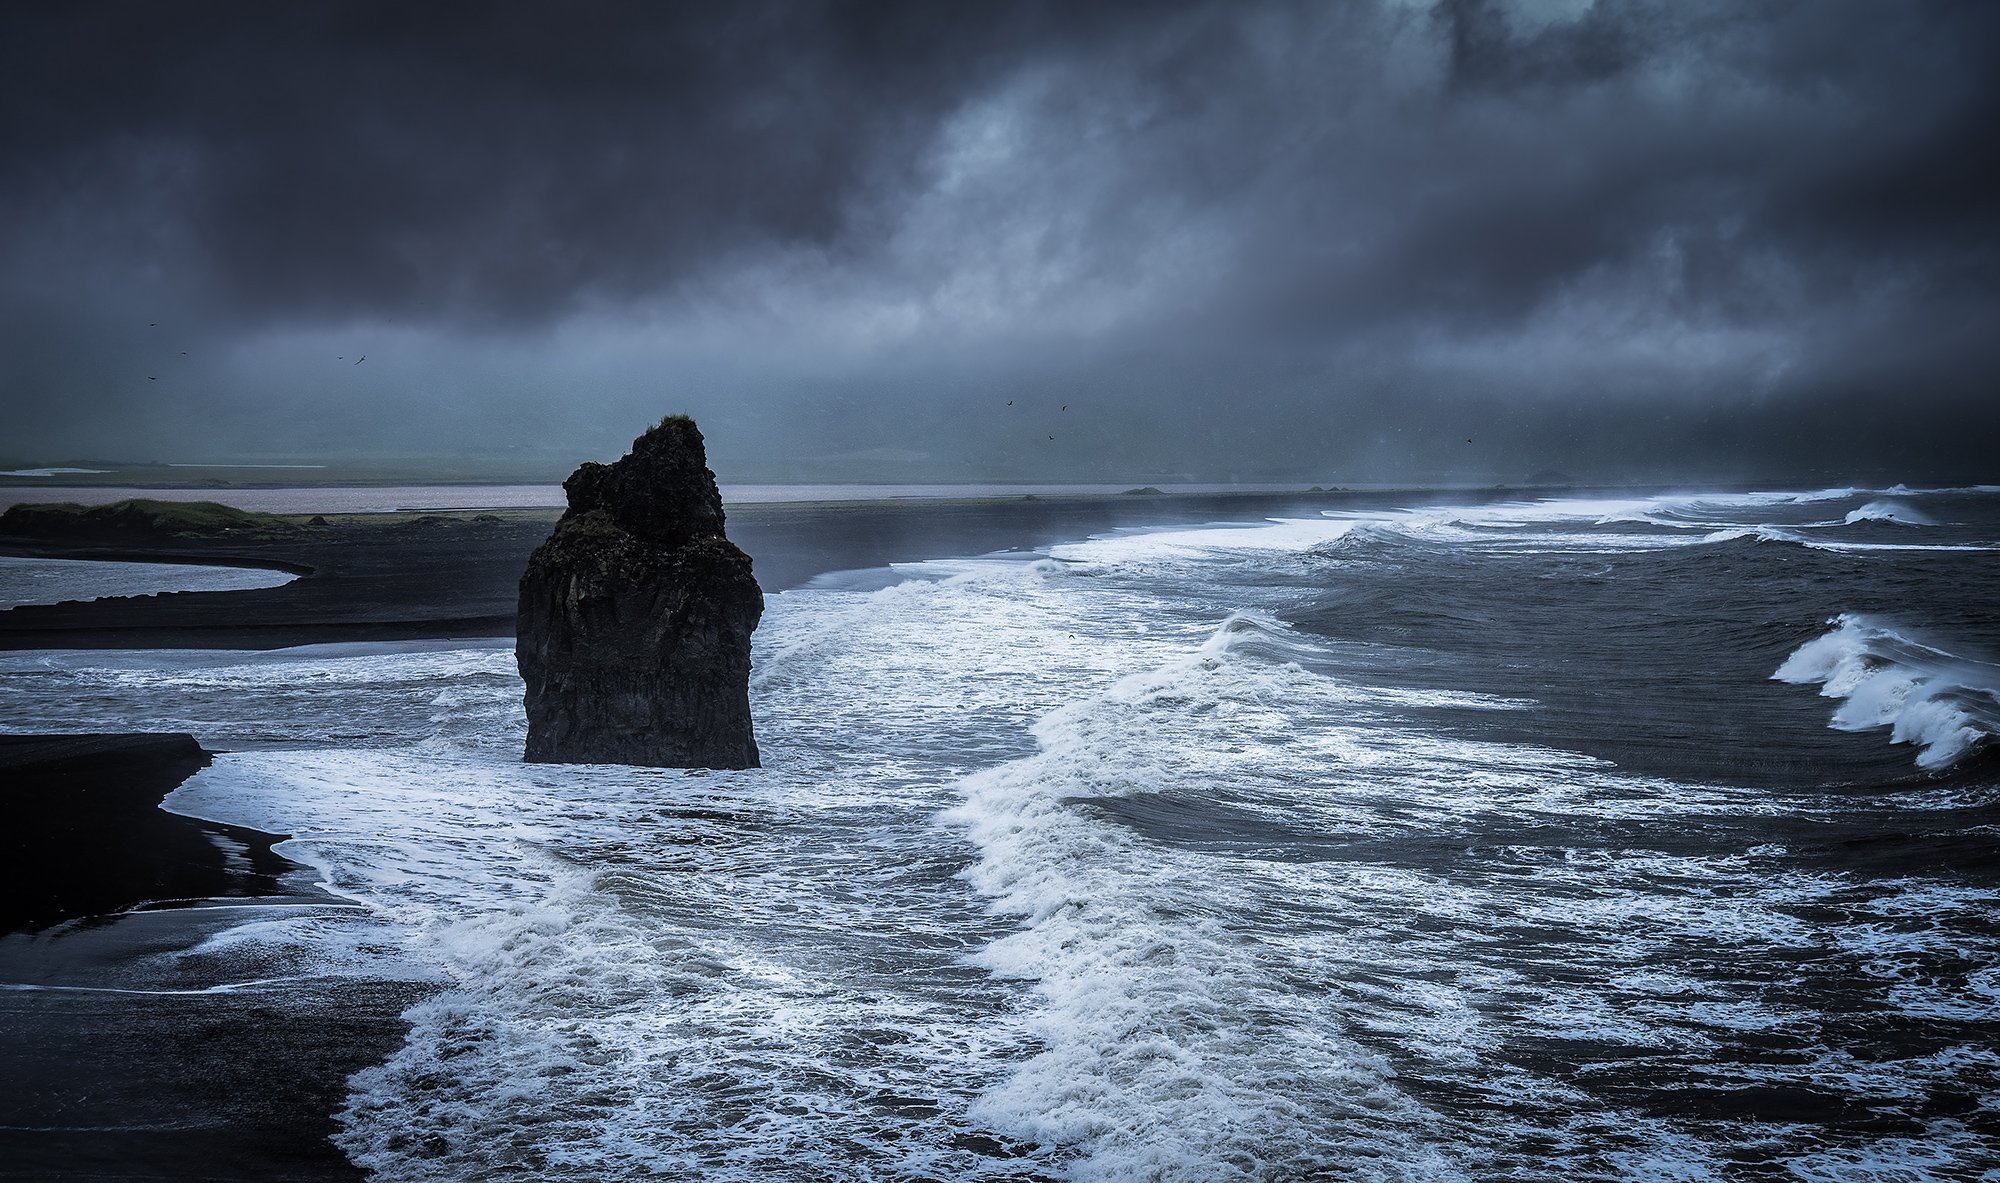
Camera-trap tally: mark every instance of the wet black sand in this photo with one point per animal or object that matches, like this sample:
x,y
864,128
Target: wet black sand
x,y
365,578
122,1061
85,835
120,1057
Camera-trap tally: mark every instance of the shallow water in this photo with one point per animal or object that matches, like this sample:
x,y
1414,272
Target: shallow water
x,y
52,581
1638,839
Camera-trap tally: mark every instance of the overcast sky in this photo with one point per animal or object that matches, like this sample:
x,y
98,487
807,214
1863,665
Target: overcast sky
x,y
1363,241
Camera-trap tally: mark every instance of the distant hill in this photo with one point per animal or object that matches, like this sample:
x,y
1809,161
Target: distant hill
x,y
138,520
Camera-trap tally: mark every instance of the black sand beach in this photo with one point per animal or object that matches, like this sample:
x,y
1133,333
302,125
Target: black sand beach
x,y
362,578
125,1057
124,1061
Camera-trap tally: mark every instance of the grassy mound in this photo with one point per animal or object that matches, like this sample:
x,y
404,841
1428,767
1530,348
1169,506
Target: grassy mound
x,y
140,519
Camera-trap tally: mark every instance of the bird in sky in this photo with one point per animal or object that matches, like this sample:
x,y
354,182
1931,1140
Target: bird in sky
x,y
359,360
150,378
1065,406
1010,402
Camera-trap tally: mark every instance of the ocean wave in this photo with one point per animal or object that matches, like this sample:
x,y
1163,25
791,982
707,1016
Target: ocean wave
x,y
1175,1047
1887,511
1782,534
1582,525
1196,543
1946,705
1224,918
1196,1012
1952,491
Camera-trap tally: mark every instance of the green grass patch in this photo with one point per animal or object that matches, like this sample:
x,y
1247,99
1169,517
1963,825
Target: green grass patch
x,y
141,518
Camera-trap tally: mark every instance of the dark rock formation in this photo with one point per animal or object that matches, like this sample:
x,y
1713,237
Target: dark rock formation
x,y
636,614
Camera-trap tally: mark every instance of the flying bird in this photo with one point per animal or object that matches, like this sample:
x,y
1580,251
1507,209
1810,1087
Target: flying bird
x,y
359,360
1065,406
150,378
1010,402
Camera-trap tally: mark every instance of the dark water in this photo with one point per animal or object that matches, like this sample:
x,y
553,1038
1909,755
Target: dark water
x,y
1660,661
1646,839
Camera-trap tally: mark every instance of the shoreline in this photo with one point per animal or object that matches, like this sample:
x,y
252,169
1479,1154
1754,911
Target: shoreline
x,y
101,553
101,793
129,1052
132,1052
413,575
16,490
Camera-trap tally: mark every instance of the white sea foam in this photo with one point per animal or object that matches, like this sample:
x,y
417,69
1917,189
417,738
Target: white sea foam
x,y
1888,510
1080,868
652,973
1173,1047
1901,490
1198,1011
1946,705
347,695
1792,537
1565,525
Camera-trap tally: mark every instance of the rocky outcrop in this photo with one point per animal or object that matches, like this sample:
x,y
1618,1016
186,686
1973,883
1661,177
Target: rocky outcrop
x,y
635,617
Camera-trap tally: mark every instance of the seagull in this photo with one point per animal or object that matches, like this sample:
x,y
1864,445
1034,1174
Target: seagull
x,y
150,378
359,360
1065,406
1010,402
1052,437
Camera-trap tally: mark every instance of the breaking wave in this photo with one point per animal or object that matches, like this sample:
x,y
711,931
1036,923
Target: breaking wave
x,y
1946,705
1888,511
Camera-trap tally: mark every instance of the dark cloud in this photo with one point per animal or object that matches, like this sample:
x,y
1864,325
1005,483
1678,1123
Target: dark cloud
x,y
1258,239
482,159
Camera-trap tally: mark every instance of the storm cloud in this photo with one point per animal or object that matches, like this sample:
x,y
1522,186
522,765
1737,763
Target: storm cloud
x,y
1398,240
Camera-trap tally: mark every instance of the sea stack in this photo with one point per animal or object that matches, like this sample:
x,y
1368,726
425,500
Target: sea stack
x,y
636,614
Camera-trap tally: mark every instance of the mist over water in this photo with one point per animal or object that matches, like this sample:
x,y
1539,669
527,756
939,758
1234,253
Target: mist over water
x,y
1650,837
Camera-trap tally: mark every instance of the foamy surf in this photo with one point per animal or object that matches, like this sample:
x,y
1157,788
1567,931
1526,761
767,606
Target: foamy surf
x,y
1341,846
1888,510
1945,705
1173,1046
1203,1015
